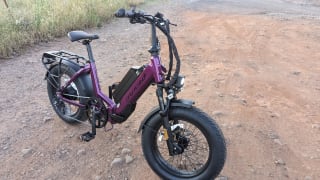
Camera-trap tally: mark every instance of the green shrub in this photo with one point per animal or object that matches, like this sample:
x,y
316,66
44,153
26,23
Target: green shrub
x,y
26,22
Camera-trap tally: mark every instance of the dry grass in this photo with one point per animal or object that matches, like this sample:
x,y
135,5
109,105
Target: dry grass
x,y
30,21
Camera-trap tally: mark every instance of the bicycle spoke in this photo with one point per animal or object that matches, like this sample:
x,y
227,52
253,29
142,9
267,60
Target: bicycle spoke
x,y
195,154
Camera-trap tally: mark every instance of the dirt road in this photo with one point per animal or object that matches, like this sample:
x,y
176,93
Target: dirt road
x,y
252,65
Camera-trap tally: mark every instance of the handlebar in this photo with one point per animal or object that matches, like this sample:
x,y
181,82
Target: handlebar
x,y
128,13
135,17
163,24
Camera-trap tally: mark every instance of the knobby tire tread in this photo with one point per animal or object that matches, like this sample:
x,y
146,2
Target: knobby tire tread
x,y
202,121
81,114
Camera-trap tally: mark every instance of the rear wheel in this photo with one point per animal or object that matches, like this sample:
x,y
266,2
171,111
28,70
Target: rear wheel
x,y
202,144
69,113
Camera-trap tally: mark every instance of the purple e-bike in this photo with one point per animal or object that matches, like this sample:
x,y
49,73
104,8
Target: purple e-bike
x,y
179,141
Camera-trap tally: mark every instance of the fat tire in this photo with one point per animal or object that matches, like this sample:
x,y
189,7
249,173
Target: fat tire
x,y
205,124
81,113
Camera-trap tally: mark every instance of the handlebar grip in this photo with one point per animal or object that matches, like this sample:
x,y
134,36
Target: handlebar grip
x,y
120,13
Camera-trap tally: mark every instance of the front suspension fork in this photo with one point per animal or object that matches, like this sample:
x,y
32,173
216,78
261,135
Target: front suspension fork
x,y
164,113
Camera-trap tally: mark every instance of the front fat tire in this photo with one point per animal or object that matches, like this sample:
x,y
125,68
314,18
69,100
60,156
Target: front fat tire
x,y
207,126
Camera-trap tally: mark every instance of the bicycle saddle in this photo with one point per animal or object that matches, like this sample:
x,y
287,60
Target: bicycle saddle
x,y
81,35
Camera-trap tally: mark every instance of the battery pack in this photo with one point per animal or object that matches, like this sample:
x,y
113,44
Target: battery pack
x,y
126,82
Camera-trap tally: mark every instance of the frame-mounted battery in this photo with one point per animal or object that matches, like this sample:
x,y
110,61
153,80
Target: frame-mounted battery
x,y
126,82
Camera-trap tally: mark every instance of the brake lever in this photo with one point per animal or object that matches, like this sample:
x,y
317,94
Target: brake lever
x,y
171,23
135,20
159,15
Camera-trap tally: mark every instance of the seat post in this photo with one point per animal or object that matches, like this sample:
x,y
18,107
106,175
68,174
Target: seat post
x,y
89,49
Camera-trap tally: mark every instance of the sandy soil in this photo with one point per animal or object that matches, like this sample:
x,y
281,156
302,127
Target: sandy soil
x,y
253,66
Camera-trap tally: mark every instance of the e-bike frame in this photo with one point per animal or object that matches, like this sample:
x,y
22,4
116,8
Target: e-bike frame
x,y
152,73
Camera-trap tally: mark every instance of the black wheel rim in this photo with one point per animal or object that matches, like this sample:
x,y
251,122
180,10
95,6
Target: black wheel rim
x,y
195,156
63,107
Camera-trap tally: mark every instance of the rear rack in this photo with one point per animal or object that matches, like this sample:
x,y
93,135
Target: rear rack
x,y
51,57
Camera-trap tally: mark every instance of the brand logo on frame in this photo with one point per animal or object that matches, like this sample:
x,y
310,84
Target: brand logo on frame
x,y
136,87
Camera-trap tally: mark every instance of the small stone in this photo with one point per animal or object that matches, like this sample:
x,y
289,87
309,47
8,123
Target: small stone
x,y
315,126
244,102
129,159
280,162
199,90
97,177
275,115
117,162
125,151
308,178
221,178
253,171
270,175
71,135
218,113
272,135
277,141
296,73
26,152
5,148
81,152
47,119
238,125
224,125
64,151
314,157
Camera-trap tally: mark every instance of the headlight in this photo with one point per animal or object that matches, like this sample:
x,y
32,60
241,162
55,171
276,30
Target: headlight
x,y
180,82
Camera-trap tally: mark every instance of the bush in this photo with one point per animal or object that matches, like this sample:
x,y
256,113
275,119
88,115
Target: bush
x,y
26,22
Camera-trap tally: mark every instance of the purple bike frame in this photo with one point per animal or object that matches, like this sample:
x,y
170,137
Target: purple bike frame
x,y
152,73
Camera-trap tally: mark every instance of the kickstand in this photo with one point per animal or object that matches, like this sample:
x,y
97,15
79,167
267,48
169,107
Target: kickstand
x,y
88,136
108,129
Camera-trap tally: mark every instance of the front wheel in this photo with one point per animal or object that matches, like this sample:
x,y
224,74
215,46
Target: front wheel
x,y
201,140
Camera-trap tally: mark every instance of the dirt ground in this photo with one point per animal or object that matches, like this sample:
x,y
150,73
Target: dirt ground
x,y
253,66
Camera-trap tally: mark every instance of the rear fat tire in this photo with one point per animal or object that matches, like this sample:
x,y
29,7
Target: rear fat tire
x,y
206,125
80,113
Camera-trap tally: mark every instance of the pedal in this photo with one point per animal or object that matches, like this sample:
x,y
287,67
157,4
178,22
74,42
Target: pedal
x,y
88,136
